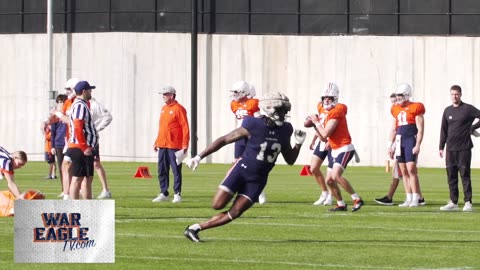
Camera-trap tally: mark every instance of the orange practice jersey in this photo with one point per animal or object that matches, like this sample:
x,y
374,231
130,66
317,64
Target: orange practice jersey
x,y
322,114
48,136
406,115
242,109
340,136
173,132
66,110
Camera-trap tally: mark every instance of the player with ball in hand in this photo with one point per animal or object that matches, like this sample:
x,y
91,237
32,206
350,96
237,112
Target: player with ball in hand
x,y
334,130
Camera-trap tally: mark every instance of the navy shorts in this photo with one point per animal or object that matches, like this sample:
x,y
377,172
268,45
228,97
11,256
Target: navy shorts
x,y
49,158
406,149
342,159
96,152
321,154
243,181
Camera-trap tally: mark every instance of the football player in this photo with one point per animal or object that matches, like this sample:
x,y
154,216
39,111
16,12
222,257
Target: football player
x,y
244,104
406,136
8,163
335,131
320,152
267,136
396,174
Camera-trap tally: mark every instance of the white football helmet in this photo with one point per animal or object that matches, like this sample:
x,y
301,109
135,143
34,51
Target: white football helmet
x,y
403,92
275,106
251,90
70,84
239,90
331,90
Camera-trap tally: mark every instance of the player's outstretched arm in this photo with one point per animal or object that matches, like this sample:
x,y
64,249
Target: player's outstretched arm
x,y
233,136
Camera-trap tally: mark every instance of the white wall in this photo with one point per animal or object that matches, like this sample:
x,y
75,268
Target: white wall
x,y
126,68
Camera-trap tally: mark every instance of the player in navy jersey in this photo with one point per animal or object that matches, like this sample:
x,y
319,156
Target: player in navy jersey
x,y
8,163
267,136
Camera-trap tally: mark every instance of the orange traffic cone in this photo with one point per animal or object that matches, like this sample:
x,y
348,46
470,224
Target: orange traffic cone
x,y
305,171
142,172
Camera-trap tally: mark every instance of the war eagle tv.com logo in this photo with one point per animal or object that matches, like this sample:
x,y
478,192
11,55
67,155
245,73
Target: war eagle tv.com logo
x,y
75,231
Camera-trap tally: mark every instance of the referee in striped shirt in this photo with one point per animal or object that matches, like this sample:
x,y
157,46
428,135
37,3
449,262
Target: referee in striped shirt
x,y
83,139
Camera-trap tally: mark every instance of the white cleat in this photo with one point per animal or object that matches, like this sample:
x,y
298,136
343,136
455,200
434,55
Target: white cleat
x,y
177,198
450,206
321,199
405,204
468,207
105,195
262,198
329,200
160,198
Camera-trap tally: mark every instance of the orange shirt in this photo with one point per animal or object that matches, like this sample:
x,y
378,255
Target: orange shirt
x,y
48,136
66,109
405,115
340,136
173,132
242,109
322,114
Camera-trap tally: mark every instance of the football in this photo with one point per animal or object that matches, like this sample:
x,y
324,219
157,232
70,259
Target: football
x,y
308,122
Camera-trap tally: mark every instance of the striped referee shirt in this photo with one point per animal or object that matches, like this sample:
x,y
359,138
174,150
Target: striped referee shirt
x,y
82,128
6,165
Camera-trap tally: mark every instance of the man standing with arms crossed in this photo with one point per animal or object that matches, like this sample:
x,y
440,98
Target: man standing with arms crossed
x,y
455,132
172,140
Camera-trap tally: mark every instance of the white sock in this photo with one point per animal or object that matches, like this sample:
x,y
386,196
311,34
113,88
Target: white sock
x,y
409,197
415,197
66,197
195,227
324,193
355,196
341,203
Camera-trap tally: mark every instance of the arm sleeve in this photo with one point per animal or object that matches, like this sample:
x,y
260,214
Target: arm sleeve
x,y
476,114
443,132
78,130
53,133
105,117
185,128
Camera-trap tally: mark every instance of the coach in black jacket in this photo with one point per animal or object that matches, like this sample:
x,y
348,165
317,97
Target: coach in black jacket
x,y
456,129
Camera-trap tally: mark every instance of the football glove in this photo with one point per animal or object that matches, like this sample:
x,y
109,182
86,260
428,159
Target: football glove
x,y
300,136
193,162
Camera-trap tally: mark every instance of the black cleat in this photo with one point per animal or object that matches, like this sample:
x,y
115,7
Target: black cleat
x,y
357,204
192,235
384,201
421,201
338,208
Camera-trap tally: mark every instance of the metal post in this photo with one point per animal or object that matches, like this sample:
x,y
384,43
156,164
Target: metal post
x,y
193,75
50,46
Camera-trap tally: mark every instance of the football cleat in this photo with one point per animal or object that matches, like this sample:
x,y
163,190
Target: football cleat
x,y
384,201
338,208
357,204
192,235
